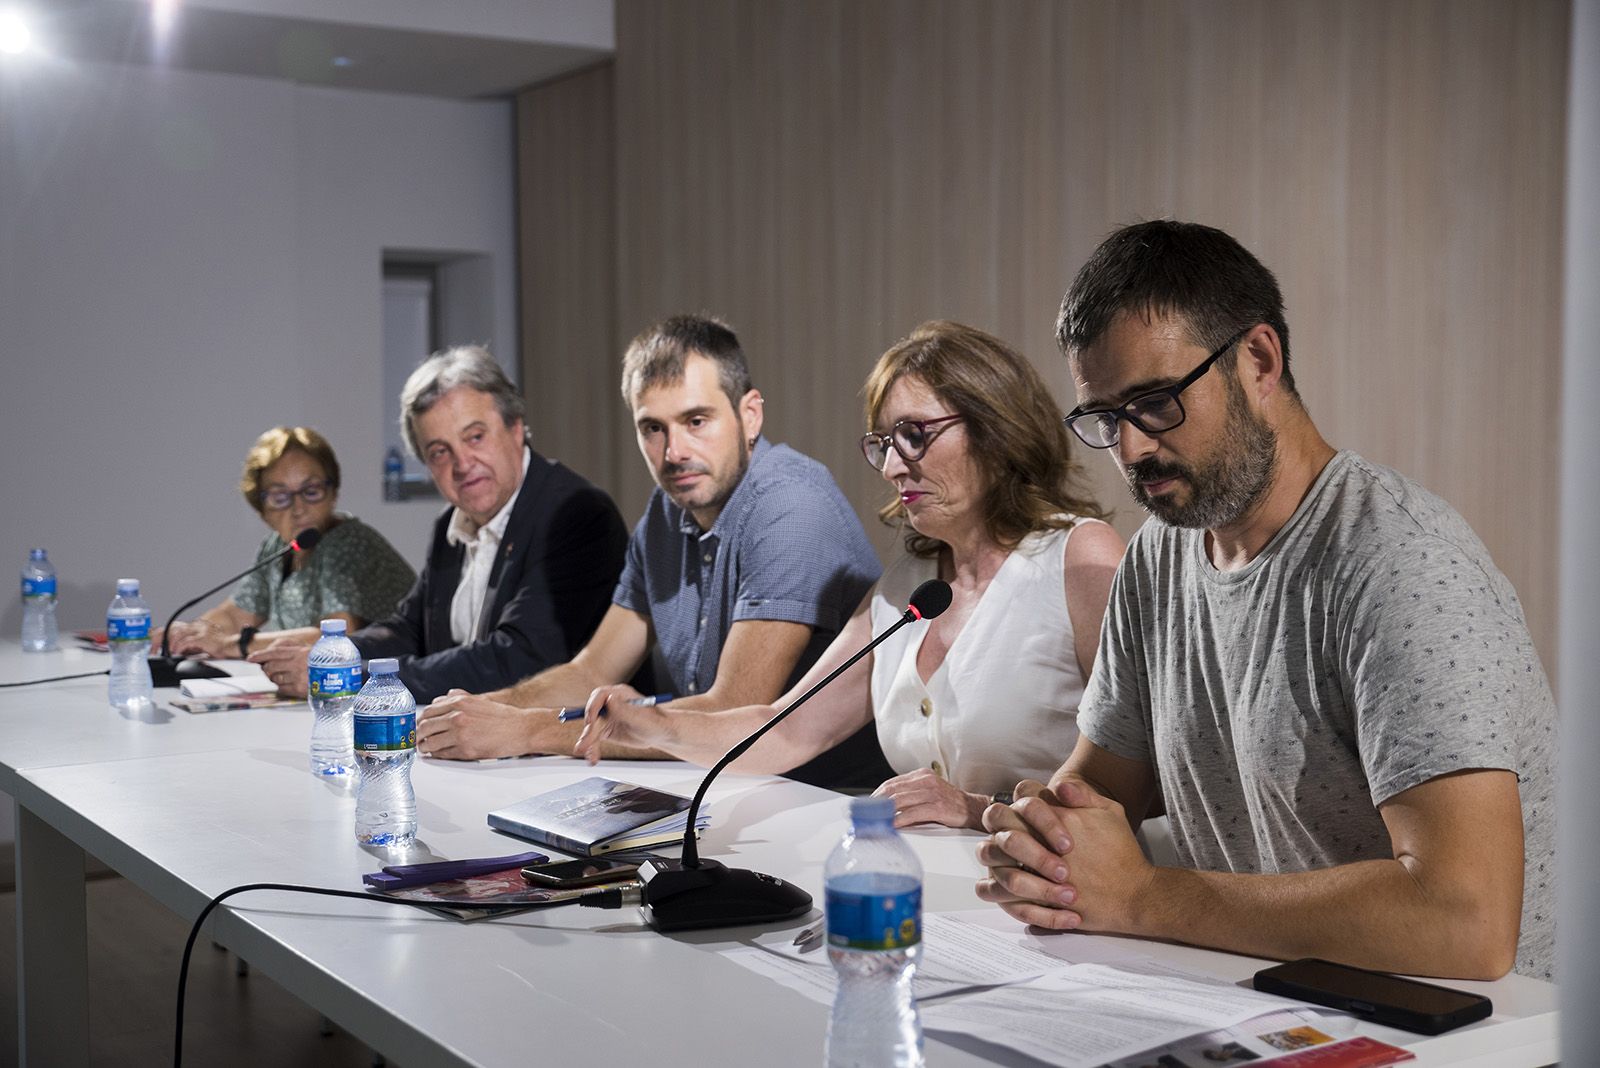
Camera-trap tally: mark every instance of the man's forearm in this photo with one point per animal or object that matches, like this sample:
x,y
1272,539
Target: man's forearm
x,y
563,686
547,734
1374,914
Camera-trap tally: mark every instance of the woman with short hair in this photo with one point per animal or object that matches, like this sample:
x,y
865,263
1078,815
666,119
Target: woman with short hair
x,y
985,695
291,479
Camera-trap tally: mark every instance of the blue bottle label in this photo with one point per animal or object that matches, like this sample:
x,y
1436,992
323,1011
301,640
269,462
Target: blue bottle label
x,y
335,681
128,629
874,921
385,734
39,588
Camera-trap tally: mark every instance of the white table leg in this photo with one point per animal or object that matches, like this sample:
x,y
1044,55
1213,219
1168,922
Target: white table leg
x,y
52,946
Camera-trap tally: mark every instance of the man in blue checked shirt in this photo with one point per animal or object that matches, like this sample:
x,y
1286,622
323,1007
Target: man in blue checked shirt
x,y
747,562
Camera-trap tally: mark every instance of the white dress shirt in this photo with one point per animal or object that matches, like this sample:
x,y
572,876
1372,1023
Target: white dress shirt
x,y
482,543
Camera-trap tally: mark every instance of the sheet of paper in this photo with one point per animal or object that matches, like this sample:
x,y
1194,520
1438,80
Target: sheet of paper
x,y
1084,1015
1071,947
243,684
956,955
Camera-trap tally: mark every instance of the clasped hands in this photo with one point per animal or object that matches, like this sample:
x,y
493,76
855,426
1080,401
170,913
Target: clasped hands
x,y
1065,858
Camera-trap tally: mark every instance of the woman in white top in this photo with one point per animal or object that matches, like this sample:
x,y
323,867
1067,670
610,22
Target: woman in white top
x,y
984,695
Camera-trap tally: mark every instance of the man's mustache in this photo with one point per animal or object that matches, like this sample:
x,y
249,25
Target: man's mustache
x,y
674,470
1152,470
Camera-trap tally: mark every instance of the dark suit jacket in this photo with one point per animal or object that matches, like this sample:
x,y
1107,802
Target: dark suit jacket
x,y
551,583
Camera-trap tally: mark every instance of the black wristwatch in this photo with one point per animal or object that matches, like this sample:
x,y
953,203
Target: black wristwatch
x,y
246,636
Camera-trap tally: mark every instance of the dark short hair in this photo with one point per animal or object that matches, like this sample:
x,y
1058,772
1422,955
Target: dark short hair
x,y
1013,425
1165,267
656,357
269,449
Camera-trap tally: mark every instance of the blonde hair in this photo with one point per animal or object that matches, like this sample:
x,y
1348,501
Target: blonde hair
x,y
269,449
1014,427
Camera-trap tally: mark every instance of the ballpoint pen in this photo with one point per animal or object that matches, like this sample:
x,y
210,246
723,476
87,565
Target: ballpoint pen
x,y
568,715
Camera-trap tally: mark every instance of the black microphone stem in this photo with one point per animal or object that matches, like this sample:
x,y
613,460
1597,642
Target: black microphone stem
x,y
166,635
691,853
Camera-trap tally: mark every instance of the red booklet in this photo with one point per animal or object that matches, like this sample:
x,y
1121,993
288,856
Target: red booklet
x,y
1358,1052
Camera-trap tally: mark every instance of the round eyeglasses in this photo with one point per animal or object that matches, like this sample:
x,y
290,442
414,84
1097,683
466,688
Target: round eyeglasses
x,y
909,437
278,499
1155,412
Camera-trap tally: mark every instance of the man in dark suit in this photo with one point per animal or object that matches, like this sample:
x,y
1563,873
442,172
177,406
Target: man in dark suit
x,y
521,566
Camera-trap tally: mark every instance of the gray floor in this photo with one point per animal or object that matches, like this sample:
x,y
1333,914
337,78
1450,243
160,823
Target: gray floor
x,y
134,949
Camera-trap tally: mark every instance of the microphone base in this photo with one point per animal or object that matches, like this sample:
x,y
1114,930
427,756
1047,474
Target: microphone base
x,y
677,898
171,672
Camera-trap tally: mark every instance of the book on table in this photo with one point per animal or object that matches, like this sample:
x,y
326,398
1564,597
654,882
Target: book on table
x,y
599,815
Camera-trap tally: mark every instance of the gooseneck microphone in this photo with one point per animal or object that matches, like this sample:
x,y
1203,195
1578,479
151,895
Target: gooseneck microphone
x,y
163,669
681,895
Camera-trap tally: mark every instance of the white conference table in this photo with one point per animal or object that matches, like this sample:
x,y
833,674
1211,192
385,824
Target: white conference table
x,y
188,806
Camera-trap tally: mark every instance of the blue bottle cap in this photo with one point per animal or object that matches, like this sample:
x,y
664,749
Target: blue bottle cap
x,y
872,808
333,626
35,554
384,665
128,587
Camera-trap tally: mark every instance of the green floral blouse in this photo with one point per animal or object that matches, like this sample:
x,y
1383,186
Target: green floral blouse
x,y
352,569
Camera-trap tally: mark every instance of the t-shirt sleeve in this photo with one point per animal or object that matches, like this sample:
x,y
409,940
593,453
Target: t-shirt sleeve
x,y
363,576
803,558
1115,710
1438,663
632,593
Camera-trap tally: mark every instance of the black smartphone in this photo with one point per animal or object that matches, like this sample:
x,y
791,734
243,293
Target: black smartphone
x,y
1376,996
565,874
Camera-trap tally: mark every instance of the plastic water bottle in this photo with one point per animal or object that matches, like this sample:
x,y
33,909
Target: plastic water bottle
x,y
873,885
394,476
385,744
38,603
333,670
128,633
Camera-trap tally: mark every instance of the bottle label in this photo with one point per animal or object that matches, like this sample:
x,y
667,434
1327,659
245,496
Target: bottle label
x,y
39,589
385,734
128,628
874,921
335,681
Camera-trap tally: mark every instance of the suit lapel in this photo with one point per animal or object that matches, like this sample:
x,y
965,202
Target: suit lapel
x,y
438,637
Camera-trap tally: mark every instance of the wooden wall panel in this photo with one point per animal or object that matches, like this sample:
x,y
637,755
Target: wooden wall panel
x,y
829,173
567,253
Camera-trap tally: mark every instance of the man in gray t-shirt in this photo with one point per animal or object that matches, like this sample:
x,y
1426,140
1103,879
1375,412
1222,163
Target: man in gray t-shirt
x,y
1309,658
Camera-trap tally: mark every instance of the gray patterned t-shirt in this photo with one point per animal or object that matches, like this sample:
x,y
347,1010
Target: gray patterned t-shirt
x,y
1370,647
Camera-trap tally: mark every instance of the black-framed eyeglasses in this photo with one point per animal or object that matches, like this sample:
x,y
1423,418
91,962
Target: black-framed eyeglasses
x,y
909,437
312,493
1155,412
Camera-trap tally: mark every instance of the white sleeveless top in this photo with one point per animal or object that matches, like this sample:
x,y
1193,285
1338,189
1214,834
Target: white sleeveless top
x,y
1004,704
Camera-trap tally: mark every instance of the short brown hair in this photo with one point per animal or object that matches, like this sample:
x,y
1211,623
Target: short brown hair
x,y
1017,437
269,449
656,357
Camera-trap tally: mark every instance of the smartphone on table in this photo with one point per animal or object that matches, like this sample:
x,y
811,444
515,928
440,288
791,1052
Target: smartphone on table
x,y
566,874
1377,996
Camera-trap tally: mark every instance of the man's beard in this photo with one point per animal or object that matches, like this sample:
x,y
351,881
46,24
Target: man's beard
x,y
721,491
1231,483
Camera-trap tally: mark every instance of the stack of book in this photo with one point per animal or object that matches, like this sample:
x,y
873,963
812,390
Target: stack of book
x,y
599,815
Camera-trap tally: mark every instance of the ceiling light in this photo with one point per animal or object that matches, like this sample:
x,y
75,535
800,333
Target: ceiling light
x,y
15,37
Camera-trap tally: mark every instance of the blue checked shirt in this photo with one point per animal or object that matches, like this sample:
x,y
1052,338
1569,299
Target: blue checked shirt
x,y
787,547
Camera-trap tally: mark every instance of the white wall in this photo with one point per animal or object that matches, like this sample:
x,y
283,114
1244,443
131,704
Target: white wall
x,y
187,259
1578,965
